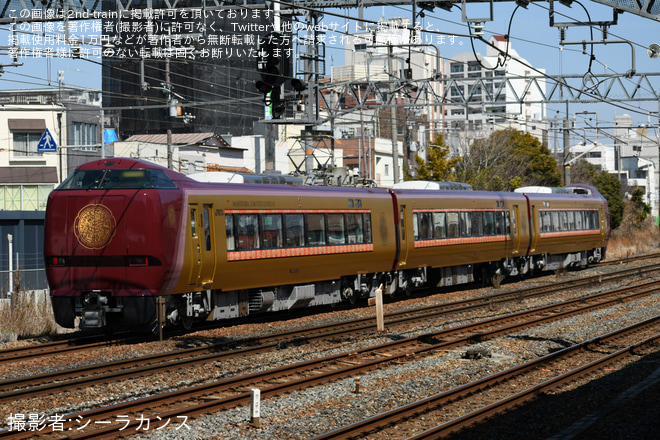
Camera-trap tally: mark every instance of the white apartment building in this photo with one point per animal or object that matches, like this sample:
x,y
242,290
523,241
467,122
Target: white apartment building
x,y
491,92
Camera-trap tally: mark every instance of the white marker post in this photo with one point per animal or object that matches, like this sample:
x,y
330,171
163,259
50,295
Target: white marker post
x,y
380,322
255,407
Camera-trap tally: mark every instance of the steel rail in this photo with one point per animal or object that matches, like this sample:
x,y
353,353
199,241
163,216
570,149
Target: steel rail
x,y
414,409
47,383
316,371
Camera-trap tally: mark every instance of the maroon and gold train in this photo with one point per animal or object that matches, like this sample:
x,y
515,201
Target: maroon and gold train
x,y
122,232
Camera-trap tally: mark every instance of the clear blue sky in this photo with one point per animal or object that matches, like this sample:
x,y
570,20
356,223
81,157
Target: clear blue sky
x,y
530,34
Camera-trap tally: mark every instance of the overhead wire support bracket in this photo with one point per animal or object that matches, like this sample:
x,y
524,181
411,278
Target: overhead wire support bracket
x,y
604,25
565,24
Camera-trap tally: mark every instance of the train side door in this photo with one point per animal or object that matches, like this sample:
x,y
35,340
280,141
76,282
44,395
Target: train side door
x,y
534,228
202,245
515,230
403,239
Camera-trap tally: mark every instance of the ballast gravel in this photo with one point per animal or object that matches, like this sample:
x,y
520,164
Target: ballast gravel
x,y
306,413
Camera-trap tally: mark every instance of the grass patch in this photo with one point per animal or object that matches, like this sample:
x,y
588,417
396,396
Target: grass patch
x,y
26,316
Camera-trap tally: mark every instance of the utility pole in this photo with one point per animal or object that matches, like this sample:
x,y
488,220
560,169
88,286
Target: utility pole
x,y
567,152
169,99
395,146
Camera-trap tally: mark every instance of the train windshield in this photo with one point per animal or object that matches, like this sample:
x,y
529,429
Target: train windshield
x,y
117,179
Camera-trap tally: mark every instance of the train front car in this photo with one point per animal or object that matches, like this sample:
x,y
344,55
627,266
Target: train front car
x,y
109,242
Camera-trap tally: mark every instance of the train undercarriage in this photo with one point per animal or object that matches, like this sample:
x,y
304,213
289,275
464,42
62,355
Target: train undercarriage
x,y
218,305
98,309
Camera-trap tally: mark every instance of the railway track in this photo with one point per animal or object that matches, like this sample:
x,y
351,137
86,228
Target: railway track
x,y
501,391
94,342
48,383
230,392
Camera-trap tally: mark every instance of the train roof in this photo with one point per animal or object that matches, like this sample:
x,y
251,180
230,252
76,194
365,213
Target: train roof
x,y
229,177
432,185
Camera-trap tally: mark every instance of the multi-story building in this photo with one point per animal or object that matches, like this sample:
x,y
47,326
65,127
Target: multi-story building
x,y
389,56
492,92
207,59
638,153
71,117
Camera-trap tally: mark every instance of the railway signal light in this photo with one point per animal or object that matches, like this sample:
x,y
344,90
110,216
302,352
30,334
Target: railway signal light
x,y
277,105
271,62
298,85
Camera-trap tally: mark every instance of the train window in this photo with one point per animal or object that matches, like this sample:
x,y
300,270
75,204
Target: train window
x,y
452,224
336,230
82,179
579,216
247,231
116,178
554,221
489,223
229,232
315,229
295,232
271,231
571,220
193,222
415,222
354,228
477,221
358,203
544,221
425,229
507,223
367,228
563,221
466,224
500,223
160,180
207,227
439,227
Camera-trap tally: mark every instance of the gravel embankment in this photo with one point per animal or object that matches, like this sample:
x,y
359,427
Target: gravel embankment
x,y
304,414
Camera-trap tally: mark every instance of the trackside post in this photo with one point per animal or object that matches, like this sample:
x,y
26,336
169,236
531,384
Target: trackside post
x,y
380,322
161,312
255,407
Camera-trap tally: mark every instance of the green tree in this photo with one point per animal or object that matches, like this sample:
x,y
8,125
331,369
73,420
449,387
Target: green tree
x,y
438,166
607,184
610,187
506,160
640,208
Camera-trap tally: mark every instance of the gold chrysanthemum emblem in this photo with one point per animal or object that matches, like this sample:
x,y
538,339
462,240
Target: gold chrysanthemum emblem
x,y
94,226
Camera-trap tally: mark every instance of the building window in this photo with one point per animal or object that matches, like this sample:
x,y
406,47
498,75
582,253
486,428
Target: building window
x,y
25,143
24,197
474,66
386,170
457,68
83,134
